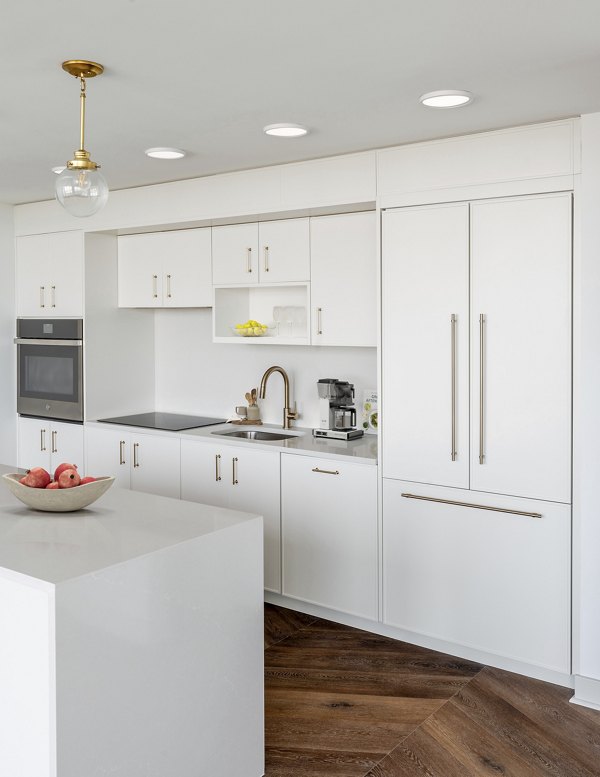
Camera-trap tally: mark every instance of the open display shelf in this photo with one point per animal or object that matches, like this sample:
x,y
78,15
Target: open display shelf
x,y
290,325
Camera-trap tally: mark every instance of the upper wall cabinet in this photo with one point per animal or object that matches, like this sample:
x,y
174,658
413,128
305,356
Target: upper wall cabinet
x,y
50,274
269,252
165,269
343,268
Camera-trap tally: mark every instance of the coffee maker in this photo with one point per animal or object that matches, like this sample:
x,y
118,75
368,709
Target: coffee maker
x,y
337,414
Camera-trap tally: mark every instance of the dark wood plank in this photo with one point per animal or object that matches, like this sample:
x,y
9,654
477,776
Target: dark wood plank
x,y
280,623
280,762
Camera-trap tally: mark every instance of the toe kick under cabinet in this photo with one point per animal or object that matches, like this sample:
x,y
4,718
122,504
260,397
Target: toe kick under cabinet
x,y
329,533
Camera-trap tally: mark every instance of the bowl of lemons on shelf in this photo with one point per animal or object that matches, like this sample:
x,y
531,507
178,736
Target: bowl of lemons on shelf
x,y
251,328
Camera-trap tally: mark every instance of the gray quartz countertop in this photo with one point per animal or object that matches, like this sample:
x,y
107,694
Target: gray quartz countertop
x,y
363,450
120,526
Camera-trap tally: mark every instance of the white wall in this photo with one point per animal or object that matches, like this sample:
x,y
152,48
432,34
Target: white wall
x,y
8,402
587,413
195,375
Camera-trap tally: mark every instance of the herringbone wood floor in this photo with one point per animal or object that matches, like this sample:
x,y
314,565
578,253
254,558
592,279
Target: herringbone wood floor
x,y
346,703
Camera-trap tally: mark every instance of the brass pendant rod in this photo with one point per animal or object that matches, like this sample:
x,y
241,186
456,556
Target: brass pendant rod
x,y
82,116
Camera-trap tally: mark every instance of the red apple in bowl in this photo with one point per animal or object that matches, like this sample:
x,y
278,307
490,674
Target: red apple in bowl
x,y
36,478
53,485
68,478
87,479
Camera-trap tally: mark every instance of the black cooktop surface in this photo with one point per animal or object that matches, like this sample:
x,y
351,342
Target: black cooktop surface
x,y
172,422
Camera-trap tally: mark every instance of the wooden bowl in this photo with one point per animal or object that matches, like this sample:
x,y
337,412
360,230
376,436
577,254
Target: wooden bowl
x,y
58,500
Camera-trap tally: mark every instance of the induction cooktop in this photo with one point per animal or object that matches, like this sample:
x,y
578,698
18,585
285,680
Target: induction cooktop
x,y
172,422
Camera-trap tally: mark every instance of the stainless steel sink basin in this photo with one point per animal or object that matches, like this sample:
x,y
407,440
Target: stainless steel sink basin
x,y
253,434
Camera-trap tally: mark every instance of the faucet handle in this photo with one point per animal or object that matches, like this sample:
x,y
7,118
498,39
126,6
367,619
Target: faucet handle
x,y
289,414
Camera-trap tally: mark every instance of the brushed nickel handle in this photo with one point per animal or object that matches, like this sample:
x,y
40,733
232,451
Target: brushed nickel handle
x,y
169,286
42,439
319,321
475,506
218,467
453,386
122,452
136,462
54,448
53,296
481,387
266,258
248,260
326,471
234,470
155,286
42,296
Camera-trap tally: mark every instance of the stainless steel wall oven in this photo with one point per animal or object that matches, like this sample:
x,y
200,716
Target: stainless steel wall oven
x,y
50,368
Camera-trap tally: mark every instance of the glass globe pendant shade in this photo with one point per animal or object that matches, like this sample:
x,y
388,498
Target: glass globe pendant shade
x,y
81,192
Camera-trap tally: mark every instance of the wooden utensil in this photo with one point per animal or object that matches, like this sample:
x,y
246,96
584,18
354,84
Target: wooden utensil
x,y
254,396
248,398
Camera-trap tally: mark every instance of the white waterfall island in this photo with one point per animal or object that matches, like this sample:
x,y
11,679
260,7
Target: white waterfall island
x,y
131,640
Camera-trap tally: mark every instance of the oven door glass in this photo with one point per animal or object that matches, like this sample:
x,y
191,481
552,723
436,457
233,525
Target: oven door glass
x,y
50,375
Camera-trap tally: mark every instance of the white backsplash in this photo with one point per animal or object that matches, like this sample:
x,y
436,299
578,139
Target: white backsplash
x,y
195,375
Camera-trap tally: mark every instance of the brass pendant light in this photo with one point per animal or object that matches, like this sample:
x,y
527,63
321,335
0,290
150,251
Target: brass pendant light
x,y
80,188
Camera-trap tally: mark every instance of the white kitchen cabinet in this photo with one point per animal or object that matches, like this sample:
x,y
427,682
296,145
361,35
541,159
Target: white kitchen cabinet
x,y
425,283
269,252
518,259
284,251
521,323
329,533
50,274
143,462
235,254
343,272
165,269
45,443
240,479
492,581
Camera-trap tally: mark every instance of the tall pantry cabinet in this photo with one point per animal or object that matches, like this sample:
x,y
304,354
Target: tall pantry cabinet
x,y
476,452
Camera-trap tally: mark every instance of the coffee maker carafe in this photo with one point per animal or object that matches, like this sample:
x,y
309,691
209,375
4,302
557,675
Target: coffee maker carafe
x,y
337,414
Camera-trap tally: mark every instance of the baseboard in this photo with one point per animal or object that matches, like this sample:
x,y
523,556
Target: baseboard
x,y
587,692
451,648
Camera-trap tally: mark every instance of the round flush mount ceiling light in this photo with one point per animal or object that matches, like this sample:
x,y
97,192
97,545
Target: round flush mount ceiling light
x,y
285,130
163,152
446,98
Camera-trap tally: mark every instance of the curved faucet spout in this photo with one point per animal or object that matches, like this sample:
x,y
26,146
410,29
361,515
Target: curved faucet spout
x,y
289,414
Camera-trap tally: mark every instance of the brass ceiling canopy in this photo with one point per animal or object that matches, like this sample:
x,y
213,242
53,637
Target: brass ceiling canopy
x,y
82,68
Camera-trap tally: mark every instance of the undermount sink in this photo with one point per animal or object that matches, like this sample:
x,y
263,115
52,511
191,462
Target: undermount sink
x,y
254,434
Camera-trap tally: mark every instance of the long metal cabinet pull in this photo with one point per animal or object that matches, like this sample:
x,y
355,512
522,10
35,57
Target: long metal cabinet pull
x,y
319,321
136,463
218,467
42,296
248,260
169,286
326,471
475,506
234,471
54,447
53,296
453,379
42,439
155,286
122,452
481,387
266,258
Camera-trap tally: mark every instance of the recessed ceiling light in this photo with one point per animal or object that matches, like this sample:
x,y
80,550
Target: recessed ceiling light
x,y
446,98
165,153
58,170
285,130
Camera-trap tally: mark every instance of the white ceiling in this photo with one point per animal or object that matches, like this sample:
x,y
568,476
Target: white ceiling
x,y
207,75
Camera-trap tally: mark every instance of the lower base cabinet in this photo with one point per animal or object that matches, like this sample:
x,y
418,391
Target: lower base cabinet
x,y
45,443
143,462
490,580
240,479
329,533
